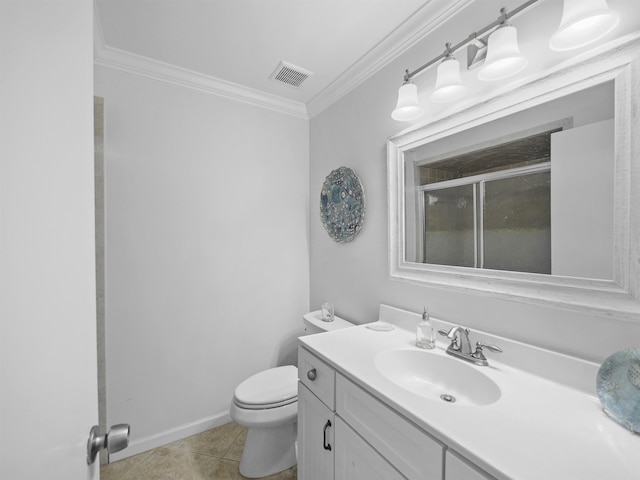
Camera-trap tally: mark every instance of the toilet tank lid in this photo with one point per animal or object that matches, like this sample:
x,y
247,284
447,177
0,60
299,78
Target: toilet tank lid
x,y
269,386
315,318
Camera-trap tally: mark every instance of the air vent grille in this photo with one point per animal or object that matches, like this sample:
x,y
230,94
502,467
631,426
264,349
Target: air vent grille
x,y
290,74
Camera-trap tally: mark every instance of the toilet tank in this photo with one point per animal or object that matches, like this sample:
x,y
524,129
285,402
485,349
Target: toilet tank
x,y
313,323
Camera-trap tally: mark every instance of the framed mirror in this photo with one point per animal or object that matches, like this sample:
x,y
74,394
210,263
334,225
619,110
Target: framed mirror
x,y
532,196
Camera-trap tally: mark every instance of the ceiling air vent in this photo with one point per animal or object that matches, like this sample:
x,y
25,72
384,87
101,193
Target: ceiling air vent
x,y
290,74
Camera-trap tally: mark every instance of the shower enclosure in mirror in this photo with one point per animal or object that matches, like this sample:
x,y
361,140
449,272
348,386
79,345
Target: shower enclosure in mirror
x,y
489,204
529,196
489,207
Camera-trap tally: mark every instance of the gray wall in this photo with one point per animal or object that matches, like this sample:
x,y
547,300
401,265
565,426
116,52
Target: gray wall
x,y
207,273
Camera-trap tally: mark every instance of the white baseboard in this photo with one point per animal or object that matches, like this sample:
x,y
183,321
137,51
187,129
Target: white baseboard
x,y
154,441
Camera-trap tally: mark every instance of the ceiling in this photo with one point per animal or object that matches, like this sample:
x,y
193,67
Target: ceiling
x,y
232,47
237,44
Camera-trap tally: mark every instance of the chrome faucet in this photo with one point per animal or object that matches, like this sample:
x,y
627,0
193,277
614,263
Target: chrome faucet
x,y
464,344
460,346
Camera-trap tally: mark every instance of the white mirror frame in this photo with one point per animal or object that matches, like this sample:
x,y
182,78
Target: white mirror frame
x,y
620,298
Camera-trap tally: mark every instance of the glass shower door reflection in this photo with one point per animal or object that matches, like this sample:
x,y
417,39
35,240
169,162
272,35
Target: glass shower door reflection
x,y
517,224
449,226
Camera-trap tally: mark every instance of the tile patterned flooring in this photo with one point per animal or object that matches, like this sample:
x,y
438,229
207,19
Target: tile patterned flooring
x,y
211,455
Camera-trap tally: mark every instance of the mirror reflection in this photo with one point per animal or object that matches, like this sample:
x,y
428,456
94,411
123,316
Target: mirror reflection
x,y
530,192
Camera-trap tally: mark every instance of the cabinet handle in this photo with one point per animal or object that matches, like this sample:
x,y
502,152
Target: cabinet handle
x,y
325,444
311,374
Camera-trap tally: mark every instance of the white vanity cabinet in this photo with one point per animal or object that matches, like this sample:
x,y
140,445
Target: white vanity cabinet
x,y
316,425
345,433
460,469
414,453
328,448
316,418
355,459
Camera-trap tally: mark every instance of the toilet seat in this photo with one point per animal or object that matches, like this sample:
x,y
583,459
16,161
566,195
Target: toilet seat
x,y
272,388
264,406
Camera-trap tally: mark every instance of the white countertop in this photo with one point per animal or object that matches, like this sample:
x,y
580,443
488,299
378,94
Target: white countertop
x,y
537,430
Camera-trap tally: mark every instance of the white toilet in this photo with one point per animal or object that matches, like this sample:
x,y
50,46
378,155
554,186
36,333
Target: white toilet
x,y
267,404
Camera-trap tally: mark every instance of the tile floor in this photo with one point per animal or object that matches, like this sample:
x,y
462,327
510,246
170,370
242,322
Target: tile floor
x,y
211,455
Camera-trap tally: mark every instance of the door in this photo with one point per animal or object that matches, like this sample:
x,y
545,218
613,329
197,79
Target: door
x,y
48,388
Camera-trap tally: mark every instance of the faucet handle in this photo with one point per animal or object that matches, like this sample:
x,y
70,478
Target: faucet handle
x,y
454,340
491,348
479,355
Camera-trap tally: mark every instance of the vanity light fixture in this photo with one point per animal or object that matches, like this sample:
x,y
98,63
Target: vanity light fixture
x,y
449,86
583,22
495,47
408,108
503,54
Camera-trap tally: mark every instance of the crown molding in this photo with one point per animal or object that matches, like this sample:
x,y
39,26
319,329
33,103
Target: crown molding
x,y
429,17
141,66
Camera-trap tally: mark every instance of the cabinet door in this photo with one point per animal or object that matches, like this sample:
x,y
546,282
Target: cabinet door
x,y
357,460
315,437
459,469
413,452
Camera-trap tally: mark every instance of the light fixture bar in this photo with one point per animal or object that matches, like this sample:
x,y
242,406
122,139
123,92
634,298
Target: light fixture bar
x,y
474,37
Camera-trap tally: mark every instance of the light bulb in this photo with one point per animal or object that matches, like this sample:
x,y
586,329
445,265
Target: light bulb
x,y
448,87
583,22
407,108
503,55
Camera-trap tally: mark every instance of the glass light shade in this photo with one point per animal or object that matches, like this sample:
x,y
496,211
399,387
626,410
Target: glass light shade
x,y
503,55
448,87
407,108
583,22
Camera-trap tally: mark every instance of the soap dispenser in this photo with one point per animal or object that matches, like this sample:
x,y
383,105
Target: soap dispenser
x,y
425,335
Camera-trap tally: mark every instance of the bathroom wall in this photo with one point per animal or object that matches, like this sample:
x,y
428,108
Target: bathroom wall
x,y
353,133
207,260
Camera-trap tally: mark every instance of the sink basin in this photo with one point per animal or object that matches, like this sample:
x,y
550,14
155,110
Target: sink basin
x,y
438,378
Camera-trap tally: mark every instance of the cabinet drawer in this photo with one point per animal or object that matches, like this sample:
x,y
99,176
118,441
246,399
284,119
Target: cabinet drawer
x,y
317,376
416,454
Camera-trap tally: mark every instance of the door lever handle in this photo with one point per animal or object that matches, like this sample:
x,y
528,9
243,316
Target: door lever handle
x,y
115,440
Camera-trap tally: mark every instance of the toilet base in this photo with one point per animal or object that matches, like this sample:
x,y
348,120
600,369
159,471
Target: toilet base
x,y
269,450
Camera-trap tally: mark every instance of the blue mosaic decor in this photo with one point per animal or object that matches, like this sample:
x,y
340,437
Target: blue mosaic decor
x,y
342,205
618,386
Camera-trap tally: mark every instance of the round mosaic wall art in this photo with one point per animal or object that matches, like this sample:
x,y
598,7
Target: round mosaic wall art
x,y
342,205
618,386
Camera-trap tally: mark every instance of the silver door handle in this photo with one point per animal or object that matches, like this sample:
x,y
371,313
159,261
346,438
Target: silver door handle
x,y
117,439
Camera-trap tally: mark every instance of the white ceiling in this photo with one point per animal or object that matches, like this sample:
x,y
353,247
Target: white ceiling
x,y
231,47
243,41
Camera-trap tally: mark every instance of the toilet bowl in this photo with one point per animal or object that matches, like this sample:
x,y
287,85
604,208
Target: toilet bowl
x,y
267,404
